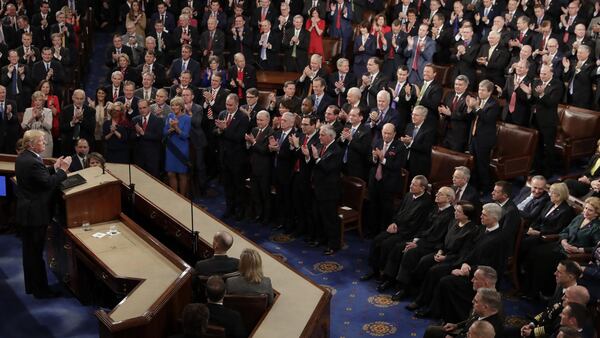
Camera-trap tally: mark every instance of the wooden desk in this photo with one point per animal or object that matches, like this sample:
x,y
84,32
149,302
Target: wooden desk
x,y
273,81
302,308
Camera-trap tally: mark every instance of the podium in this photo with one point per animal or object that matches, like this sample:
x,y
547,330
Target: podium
x,y
154,283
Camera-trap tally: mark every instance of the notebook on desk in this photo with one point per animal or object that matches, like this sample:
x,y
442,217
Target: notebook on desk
x,y
72,181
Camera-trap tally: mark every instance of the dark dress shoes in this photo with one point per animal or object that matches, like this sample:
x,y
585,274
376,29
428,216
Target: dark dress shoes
x,y
384,286
396,297
367,276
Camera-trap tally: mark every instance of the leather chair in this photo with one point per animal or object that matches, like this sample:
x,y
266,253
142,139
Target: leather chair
x,y
332,49
577,133
514,151
350,209
251,307
214,331
199,285
443,162
512,265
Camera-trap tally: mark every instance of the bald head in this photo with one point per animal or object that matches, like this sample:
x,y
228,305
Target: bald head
x,y
222,241
576,294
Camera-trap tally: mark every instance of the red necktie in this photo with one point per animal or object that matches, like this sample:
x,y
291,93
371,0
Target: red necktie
x,y
513,98
297,164
543,44
263,14
240,76
210,41
454,102
415,63
229,118
338,18
145,123
521,36
323,151
391,54
115,95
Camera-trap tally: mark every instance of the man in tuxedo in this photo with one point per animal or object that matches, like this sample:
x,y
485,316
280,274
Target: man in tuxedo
x,y
393,47
418,140
48,69
419,52
283,164
373,82
37,185
148,138
113,52
268,44
220,315
16,79
295,45
411,214
320,98
430,95
327,183
309,73
185,62
484,111
579,76
150,65
385,178
355,142
261,161
82,149
339,16
219,263
76,121
464,56
232,126
241,77
9,123
487,306
463,190
454,120
212,42
517,110
302,191
545,98
531,200
241,39
382,115
492,59
340,82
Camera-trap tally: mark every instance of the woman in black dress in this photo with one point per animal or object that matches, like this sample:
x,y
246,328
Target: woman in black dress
x,y
115,135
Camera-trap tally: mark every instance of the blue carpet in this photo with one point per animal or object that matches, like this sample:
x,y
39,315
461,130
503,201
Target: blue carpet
x,y
97,71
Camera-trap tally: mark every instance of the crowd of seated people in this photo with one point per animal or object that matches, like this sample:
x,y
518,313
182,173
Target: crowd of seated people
x,y
182,101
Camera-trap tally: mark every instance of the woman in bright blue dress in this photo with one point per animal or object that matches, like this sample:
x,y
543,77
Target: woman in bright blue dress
x,y
177,135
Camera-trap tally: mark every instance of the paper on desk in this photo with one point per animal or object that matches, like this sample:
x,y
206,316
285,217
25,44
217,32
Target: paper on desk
x,y
99,235
346,208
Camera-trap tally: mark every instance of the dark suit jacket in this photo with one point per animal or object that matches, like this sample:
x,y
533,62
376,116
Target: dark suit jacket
x,y
431,100
402,104
522,113
496,320
193,66
218,43
38,73
419,152
394,56
87,126
486,123
557,220
443,43
261,159
391,116
24,85
465,64
487,248
249,79
272,54
160,74
546,106
534,208
395,160
494,71
149,145
509,224
134,107
109,62
231,320
9,129
170,21
470,194
326,100
193,33
432,234
301,47
369,95
582,81
285,159
217,264
36,186
76,164
232,144
326,173
456,126
359,152
244,45
349,82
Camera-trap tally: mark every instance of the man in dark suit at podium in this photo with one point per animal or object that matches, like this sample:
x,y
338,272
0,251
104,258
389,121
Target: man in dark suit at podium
x,y
36,188
219,263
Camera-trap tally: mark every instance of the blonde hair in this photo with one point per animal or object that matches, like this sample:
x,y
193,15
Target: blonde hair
x,y
594,202
30,136
561,189
251,266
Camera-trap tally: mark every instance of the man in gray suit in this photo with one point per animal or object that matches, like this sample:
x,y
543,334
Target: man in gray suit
x,y
147,91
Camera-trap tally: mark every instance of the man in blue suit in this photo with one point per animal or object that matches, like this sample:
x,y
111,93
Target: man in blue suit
x,y
340,23
148,132
185,62
419,51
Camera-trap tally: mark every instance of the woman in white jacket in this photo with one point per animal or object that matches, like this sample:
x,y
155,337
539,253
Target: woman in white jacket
x,y
40,118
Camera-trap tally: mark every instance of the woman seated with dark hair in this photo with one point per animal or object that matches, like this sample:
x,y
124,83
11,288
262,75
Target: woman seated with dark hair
x,y
251,280
555,215
580,236
431,267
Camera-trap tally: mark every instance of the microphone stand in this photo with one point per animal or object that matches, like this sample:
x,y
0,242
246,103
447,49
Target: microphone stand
x,y
131,184
193,231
